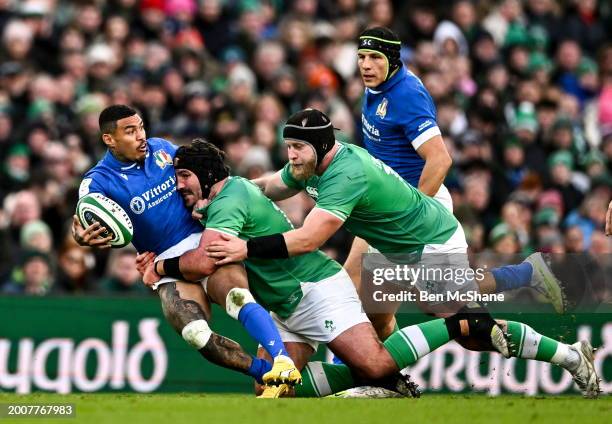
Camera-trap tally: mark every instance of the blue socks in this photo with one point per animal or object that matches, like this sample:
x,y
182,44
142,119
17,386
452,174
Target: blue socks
x,y
258,323
258,368
512,277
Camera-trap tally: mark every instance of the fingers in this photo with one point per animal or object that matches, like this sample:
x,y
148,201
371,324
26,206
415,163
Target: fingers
x,y
144,260
145,257
216,247
609,221
75,222
218,254
227,260
196,215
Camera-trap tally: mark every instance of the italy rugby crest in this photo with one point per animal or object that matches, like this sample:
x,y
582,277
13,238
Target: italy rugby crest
x,y
381,110
162,158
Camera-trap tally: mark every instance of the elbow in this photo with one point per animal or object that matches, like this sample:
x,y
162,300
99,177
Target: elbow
x,y
447,161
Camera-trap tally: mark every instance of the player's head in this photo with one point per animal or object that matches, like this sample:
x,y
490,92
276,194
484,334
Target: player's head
x,y
309,136
198,167
378,55
123,133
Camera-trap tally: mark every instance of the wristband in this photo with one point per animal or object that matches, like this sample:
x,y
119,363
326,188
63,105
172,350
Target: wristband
x,y
268,247
172,268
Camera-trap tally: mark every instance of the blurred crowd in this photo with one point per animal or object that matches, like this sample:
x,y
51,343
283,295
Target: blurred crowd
x,y
523,90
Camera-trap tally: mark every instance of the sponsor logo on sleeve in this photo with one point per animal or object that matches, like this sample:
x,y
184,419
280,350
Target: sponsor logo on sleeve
x,y
425,125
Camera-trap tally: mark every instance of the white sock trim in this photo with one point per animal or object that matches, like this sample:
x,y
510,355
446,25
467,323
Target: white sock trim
x,y
236,298
418,340
319,379
531,342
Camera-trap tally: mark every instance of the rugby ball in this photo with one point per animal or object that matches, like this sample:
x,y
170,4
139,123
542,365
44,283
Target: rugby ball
x,y
95,207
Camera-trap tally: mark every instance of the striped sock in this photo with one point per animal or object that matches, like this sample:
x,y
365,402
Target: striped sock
x,y
321,379
409,344
529,344
405,347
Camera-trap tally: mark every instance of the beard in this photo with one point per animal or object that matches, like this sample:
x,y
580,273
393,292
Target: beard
x,y
303,172
188,198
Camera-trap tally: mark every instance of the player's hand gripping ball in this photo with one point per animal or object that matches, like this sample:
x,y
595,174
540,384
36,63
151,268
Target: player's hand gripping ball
x,y
95,207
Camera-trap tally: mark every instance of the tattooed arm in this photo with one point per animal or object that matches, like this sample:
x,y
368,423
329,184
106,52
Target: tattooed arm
x,y
180,311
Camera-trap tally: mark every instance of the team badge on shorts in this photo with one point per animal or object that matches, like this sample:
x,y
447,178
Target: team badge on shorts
x,y
329,325
162,158
381,110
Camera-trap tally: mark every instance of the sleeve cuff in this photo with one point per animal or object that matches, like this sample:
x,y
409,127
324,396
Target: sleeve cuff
x,y
425,136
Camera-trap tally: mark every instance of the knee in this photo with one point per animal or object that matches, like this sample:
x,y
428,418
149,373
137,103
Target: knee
x,y
233,274
236,299
197,333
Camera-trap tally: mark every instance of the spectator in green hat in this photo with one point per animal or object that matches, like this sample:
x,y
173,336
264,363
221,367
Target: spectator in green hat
x,y
15,173
561,165
563,133
503,240
595,164
546,227
540,67
588,78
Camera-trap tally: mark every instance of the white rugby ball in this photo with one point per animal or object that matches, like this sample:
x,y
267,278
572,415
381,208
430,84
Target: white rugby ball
x,y
95,207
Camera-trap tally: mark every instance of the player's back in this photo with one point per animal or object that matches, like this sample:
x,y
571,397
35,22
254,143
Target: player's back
x,y
147,192
397,117
376,203
241,209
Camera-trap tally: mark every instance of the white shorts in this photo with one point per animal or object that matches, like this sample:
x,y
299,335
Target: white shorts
x,y
188,243
328,308
443,196
449,258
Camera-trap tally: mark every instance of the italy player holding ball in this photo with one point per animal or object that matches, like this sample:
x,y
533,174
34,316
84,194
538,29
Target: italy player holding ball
x,y
138,174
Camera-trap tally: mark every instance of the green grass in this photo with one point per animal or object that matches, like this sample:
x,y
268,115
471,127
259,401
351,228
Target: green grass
x,y
222,409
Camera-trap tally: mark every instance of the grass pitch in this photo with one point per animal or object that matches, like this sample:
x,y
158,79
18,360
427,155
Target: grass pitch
x,y
226,409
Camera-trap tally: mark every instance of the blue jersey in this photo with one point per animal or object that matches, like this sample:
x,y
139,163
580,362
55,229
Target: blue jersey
x,y
148,194
397,118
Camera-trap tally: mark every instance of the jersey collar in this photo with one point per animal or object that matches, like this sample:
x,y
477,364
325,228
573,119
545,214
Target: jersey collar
x,y
397,77
110,160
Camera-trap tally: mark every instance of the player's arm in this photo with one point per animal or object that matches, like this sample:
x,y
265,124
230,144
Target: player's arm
x,y
89,236
318,227
192,265
274,187
437,164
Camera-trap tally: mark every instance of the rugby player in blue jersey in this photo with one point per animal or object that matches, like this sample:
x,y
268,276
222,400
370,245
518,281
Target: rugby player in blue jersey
x,y
399,128
138,174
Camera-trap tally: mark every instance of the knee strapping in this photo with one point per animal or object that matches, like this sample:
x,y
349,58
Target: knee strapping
x,y
197,333
236,299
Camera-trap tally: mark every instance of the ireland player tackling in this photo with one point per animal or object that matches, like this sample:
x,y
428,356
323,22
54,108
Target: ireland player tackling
x,y
353,189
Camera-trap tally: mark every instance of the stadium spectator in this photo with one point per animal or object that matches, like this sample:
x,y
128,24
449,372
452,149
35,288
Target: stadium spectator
x,y
123,278
523,91
74,263
34,277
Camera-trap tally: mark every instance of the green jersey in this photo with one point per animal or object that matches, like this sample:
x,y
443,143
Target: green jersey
x,y
242,210
376,204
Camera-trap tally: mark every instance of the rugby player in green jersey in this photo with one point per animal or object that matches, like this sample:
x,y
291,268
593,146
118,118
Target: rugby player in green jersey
x,y
311,297
353,189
